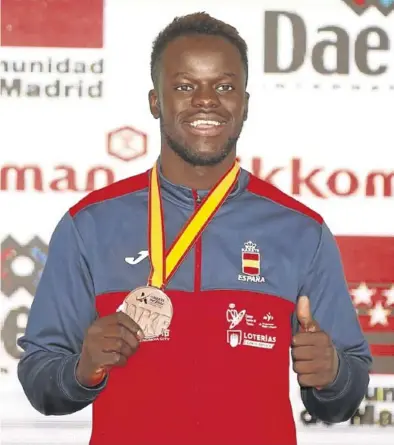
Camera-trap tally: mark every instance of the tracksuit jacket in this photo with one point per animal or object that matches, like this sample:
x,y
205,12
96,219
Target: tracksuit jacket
x,y
220,376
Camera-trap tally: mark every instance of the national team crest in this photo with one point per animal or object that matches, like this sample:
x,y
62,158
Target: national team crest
x,y
250,259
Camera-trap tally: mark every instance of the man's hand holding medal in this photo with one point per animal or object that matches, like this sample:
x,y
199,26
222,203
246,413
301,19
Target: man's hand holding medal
x,y
109,341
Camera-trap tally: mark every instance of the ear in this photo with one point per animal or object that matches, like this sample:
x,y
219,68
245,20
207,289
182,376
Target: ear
x,y
247,96
154,104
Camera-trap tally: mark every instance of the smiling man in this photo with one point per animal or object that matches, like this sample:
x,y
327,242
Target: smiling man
x,y
170,300
205,103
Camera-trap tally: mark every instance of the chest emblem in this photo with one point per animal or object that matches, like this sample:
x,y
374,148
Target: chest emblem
x,y
251,264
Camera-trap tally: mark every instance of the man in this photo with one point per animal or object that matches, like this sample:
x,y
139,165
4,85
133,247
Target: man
x,y
170,300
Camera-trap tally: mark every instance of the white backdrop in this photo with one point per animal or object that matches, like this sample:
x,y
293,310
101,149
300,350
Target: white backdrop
x,y
324,138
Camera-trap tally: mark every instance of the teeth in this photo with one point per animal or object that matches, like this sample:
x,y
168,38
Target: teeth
x,y
204,122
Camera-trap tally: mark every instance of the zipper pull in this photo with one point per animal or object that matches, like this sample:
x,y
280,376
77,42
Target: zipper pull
x,y
197,198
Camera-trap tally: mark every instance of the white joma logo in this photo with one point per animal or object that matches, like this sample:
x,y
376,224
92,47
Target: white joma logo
x,y
141,256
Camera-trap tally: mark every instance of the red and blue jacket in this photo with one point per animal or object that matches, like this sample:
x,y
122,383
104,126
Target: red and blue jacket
x,y
221,375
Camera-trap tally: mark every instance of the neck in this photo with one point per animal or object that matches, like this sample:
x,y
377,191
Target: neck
x,y
179,172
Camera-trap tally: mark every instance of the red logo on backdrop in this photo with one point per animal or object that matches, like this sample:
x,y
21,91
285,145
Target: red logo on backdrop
x,y
52,24
368,263
298,178
360,6
127,143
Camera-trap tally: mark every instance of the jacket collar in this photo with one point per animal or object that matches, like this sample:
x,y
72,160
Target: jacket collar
x,y
187,197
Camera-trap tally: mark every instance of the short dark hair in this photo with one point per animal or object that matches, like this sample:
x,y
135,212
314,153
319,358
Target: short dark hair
x,y
197,23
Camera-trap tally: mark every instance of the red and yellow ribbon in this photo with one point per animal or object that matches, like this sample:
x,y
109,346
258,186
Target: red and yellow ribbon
x,y
163,265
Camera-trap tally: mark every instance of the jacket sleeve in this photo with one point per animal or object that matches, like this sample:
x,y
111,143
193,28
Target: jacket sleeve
x,y
332,308
62,309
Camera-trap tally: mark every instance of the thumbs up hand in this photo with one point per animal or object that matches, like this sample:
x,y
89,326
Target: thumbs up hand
x,y
315,359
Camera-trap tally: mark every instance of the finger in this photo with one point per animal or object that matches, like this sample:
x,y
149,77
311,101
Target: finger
x,y
313,327
118,331
119,319
318,339
105,360
306,367
111,359
309,380
304,313
126,321
119,345
304,353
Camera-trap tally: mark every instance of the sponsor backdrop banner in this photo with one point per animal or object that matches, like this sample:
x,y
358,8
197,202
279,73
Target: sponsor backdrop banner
x,y
74,81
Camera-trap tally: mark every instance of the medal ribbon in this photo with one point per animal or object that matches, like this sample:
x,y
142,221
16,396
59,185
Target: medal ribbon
x,y
164,265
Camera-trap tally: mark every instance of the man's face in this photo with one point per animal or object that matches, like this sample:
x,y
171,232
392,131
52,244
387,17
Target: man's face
x,y
200,98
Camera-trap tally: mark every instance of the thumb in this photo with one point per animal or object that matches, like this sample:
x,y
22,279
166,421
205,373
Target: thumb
x,y
304,314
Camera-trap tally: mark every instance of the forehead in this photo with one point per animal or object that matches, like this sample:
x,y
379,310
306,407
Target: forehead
x,y
201,55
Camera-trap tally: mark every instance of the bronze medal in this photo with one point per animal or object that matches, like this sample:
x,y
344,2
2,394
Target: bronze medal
x,y
151,309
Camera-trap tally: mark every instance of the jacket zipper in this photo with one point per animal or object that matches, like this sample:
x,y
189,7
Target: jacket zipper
x,y
197,250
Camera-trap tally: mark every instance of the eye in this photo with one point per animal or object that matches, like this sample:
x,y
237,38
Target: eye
x,y
225,87
184,87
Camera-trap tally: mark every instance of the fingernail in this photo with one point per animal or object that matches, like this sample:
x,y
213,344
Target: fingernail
x,y
140,334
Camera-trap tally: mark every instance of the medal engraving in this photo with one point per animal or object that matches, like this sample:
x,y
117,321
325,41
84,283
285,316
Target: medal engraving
x,y
151,309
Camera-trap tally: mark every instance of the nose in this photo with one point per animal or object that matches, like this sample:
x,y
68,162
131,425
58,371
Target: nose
x,y
205,97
